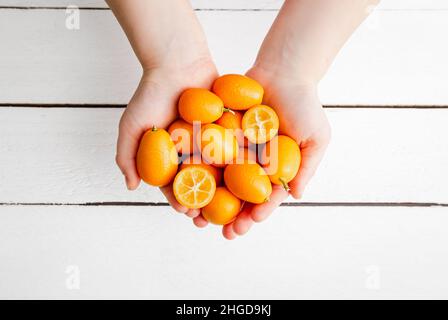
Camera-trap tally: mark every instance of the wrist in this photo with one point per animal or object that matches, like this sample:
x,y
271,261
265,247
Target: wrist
x,y
293,73
276,75
176,54
199,73
199,65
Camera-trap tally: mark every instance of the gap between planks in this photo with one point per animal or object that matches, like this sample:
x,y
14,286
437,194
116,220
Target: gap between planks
x,y
105,8
121,106
195,9
285,204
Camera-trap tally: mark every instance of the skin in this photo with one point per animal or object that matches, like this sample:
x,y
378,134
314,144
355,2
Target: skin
x,y
295,55
172,49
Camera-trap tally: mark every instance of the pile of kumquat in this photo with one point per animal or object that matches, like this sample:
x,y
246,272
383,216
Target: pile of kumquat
x,y
223,151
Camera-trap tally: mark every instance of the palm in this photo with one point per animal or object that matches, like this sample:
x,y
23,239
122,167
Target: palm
x,y
151,105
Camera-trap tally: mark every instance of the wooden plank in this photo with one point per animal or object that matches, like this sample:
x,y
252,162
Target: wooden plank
x,y
315,253
43,62
377,155
231,4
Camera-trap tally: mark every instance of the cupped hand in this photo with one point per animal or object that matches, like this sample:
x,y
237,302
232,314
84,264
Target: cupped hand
x,y
303,119
155,104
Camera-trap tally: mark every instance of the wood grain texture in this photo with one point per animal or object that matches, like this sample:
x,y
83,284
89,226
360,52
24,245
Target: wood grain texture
x,y
298,253
232,4
43,62
67,156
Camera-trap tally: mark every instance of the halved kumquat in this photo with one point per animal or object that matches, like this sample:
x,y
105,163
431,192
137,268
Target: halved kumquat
x,y
194,187
196,161
260,124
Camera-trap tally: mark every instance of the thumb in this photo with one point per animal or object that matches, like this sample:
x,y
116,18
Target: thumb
x,y
127,146
312,154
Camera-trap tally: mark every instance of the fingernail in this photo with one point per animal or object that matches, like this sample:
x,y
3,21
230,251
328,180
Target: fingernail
x,y
297,195
199,223
257,217
181,209
230,237
193,213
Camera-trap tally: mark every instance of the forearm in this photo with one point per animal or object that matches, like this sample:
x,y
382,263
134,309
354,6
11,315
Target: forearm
x,y
307,35
162,33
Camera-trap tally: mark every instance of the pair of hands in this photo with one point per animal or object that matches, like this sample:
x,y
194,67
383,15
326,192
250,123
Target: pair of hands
x,y
155,103
295,54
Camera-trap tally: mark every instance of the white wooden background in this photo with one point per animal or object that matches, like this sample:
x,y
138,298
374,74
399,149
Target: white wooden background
x,y
373,222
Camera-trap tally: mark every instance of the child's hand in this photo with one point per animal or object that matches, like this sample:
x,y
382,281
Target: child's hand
x,y
301,44
155,104
303,119
169,42
294,56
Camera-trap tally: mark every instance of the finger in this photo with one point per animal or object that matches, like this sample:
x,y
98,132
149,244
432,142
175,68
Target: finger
x,y
193,213
311,158
243,221
200,221
169,195
228,233
260,212
127,146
